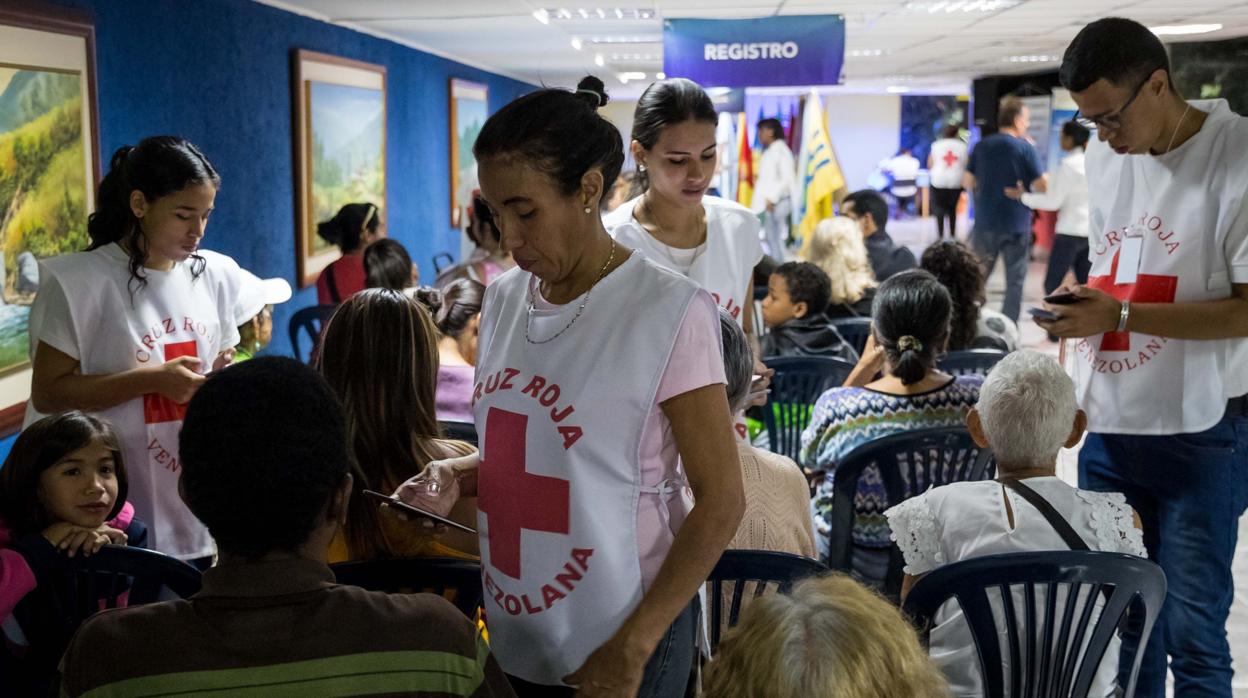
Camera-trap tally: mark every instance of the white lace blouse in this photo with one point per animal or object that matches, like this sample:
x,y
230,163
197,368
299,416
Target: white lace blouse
x,y
969,519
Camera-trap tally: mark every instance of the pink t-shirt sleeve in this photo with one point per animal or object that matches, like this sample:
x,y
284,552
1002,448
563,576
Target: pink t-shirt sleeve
x,y
692,365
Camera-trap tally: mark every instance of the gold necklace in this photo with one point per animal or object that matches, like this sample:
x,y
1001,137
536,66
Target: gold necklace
x,y
528,321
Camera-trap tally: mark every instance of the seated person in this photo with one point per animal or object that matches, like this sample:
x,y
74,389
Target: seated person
x,y
797,292
379,354
488,260
270,618
387,265
253,313
870,211
456,311
911,327
62,492
1026,414
974,326
829,637
836,247
352,229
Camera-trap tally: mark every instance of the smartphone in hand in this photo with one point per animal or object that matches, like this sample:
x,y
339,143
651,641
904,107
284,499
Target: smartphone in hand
x,y
1062,298
416,511
1045,315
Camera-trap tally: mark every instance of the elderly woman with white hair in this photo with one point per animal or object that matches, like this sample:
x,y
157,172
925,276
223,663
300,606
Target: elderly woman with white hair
x,y
1026,414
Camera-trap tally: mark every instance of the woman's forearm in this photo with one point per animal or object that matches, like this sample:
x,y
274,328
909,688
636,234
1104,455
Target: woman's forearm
x,y
91,393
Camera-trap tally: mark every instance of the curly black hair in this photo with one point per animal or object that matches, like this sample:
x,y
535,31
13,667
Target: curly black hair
x,y
959,271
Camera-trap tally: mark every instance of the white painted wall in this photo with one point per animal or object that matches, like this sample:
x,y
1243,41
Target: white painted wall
x,y
864,129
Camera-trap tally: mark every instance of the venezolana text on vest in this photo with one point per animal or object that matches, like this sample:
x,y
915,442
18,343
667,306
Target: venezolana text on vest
x,y
749,52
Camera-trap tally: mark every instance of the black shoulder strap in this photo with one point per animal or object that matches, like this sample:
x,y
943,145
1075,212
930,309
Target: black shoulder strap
x,y
333,285
1061,525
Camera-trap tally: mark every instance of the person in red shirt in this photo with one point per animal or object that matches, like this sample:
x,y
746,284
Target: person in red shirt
x,y
352,229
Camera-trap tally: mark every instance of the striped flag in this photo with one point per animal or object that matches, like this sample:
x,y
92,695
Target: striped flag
x,y
745,164
820,177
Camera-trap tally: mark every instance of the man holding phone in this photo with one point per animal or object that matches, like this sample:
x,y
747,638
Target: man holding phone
x,y
1161,364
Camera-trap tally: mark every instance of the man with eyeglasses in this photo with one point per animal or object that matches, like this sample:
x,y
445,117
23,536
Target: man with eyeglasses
x,y
1161,359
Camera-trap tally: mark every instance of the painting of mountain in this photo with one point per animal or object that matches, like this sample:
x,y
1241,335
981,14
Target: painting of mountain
x,y
43,188
347,149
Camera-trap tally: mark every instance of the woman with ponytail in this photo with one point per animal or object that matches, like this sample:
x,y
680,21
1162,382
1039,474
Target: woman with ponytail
x,y
895,387
456,311
352,229
127,329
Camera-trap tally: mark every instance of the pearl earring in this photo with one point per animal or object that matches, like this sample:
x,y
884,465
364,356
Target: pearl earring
x,y
641,168
588,209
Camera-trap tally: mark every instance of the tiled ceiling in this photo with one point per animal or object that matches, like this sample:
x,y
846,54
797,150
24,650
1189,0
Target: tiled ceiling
x,y
920,45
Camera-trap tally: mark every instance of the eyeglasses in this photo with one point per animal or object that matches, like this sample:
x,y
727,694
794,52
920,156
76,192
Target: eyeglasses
x,y
1113,120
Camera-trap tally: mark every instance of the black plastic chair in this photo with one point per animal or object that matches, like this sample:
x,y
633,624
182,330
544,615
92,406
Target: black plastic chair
x,y
910,463
970,361
854,330
71,589
460,431
308,321
458,581
740,568
798,383
1134,583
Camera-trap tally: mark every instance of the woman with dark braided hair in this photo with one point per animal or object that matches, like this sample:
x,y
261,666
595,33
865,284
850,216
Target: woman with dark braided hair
x,y
127,329
973,326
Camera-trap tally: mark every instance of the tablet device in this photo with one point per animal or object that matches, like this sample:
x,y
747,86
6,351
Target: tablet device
x,y
415,511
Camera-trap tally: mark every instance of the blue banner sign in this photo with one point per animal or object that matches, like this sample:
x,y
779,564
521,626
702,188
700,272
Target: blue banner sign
x,y
772,52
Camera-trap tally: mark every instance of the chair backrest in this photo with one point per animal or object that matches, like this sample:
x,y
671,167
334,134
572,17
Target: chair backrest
x,y
442,260
460,431
458,581
72,589
798,383
910,463
738,569
1057,632
854,330
308,322
970,361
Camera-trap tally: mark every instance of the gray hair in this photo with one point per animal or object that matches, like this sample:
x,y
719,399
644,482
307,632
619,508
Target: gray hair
x,y
1027,407
738,360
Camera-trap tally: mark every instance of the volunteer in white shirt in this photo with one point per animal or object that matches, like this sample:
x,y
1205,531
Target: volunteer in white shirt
x,y
904,168
128,328
773,188
600,397
1161,364
946,163
1068,195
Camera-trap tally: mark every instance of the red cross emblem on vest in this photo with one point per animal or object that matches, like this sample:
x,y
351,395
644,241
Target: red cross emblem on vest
x,y
950,158
1148,288
156,407
513,498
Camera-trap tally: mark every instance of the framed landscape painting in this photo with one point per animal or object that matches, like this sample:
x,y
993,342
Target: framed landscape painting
x,y
340,148
469,110
49,168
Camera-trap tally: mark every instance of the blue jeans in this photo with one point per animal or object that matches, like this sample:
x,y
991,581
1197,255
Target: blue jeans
x,y
988,245
1189,491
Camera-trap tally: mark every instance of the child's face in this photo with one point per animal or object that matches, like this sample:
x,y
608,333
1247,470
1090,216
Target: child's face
x,y
82,487
778,307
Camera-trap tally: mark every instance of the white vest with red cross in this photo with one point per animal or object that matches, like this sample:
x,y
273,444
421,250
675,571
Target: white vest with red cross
x,y
560,428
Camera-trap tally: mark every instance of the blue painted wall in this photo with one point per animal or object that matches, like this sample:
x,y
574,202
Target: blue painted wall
x,y
217,72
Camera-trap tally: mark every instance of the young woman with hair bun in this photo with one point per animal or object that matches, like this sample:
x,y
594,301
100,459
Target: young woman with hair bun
x,y
127,329
352,229
456,311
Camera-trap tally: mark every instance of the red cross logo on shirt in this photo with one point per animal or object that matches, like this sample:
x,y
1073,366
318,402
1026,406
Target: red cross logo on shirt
x,y
513,498
950,158
1148,288
156,407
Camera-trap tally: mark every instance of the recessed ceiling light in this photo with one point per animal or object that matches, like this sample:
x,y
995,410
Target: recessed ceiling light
x,y
1183,29
632,76
897,89
1031,59
542,16
867,53
576,43
660,76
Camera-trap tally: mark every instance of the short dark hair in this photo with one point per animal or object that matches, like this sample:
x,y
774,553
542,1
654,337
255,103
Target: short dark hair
x,y
807,284
1077,133
869,202
263,447
1008,110
387,265
774,125
1120,51
950,131
559,132
914,305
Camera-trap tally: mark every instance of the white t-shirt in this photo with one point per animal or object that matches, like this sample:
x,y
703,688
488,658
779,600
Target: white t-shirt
x,y
723,265
1191,205
85,309
948,163
905,170
967,520
777,175
1067,194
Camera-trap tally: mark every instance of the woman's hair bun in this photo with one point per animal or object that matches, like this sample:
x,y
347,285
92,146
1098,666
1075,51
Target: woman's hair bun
x,y
431,298
594,92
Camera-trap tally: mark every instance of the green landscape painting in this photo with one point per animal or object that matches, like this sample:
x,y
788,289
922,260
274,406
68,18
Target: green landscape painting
x,y
43,189
348,151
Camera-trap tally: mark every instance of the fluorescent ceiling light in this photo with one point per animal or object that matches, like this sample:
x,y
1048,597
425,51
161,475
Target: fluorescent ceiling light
x,y
542,16
598,61
576,43
660,76
897,89
1184,29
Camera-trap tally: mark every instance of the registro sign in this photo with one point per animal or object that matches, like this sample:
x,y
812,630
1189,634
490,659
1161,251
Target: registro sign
x,y
775,51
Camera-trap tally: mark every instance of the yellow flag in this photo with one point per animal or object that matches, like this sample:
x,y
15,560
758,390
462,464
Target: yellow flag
x,y
821,176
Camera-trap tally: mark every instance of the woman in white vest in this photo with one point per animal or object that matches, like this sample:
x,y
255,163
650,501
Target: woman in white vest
x,y
128,328
599,398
